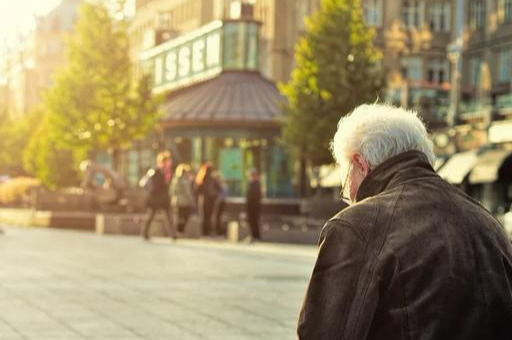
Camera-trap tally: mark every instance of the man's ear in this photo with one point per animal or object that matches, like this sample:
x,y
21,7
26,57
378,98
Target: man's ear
x,y
361,164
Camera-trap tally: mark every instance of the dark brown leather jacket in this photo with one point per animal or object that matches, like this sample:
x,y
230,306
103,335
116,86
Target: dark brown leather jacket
x,y
415,258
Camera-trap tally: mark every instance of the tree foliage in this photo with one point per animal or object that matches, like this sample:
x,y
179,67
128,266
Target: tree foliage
x,y
336,70
14,136
95,103
42,158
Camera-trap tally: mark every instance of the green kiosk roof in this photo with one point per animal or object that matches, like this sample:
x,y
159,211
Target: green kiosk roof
x,y
232,99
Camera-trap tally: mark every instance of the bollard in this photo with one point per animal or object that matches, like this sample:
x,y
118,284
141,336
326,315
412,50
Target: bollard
x,y
100,224
233,232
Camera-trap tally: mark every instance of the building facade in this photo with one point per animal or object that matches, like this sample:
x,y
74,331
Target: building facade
x,y
479,142
419,40
487,61
222,101
20,77
29,68
413,36
219,106
282,22
449,59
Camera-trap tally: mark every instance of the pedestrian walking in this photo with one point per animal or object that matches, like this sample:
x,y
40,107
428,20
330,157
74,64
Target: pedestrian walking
x,y
182,195
253,204
208,190
220,204
156,182
412,257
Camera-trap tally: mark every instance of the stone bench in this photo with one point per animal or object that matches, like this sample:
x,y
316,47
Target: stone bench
x,y
274,231
48,219
132,224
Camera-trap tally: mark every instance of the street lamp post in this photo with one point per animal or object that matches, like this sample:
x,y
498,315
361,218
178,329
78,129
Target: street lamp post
x,y
454,55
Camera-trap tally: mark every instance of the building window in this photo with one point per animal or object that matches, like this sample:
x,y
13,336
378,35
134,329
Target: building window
x,y
373,12
505,11
477,14
165,20
302,11
53,47
412,68
412,13
55,25
505,66
438,71
475,64
43,49
233,47
439,16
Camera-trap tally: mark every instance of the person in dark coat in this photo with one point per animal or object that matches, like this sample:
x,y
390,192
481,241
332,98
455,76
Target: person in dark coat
x,y
412,257
254,204
208,190
157,182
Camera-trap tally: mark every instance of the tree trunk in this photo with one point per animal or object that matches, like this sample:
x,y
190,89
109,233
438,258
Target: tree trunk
x,y
116,160
303,177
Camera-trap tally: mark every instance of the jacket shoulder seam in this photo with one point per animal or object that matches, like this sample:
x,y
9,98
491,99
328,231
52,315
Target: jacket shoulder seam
x,y
338,223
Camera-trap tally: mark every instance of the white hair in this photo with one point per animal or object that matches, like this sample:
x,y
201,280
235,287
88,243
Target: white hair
x,y
379,132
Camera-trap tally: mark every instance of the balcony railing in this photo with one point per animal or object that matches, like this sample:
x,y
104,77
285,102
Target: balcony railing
x,y
475,109
475,106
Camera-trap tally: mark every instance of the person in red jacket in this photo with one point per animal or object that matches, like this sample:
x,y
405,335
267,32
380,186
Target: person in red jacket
x,y
208,190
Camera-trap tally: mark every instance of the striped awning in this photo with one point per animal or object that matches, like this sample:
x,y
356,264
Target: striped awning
x,y
458,166
487,166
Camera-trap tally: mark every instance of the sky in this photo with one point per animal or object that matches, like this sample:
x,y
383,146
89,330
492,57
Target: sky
x,y
18,15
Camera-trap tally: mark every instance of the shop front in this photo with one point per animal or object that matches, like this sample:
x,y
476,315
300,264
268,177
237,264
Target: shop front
x,y
233,122
491,179
219,108
484,170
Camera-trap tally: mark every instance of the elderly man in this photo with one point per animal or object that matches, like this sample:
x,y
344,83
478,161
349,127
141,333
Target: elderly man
x,y
412,257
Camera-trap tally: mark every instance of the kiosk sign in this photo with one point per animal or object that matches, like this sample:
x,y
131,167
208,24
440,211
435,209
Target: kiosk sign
x,y
202,54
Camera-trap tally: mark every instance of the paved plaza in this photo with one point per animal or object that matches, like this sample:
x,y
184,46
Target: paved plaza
x,y
77,285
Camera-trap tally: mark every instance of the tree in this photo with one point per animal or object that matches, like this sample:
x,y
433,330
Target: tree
x,y
95,104
54,167
14,136
336,70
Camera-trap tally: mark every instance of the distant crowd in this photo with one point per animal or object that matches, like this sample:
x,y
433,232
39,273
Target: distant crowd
x,y
188,197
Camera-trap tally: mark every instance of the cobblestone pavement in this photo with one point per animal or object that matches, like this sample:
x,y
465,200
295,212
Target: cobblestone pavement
x,y
75,285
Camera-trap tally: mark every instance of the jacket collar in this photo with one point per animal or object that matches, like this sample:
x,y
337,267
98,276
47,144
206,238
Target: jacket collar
x,y
394,171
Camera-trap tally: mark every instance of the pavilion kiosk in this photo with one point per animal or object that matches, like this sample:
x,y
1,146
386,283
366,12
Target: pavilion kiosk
x,y
218,107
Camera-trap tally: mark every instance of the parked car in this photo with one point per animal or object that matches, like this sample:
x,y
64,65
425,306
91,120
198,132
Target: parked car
x,y
17,191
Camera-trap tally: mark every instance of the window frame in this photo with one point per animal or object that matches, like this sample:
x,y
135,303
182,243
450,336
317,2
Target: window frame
x,y
503,67
376,9
477,15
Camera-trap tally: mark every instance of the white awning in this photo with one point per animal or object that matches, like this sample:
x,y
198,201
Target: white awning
x,y
458,166
330,177
439,162
487,166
